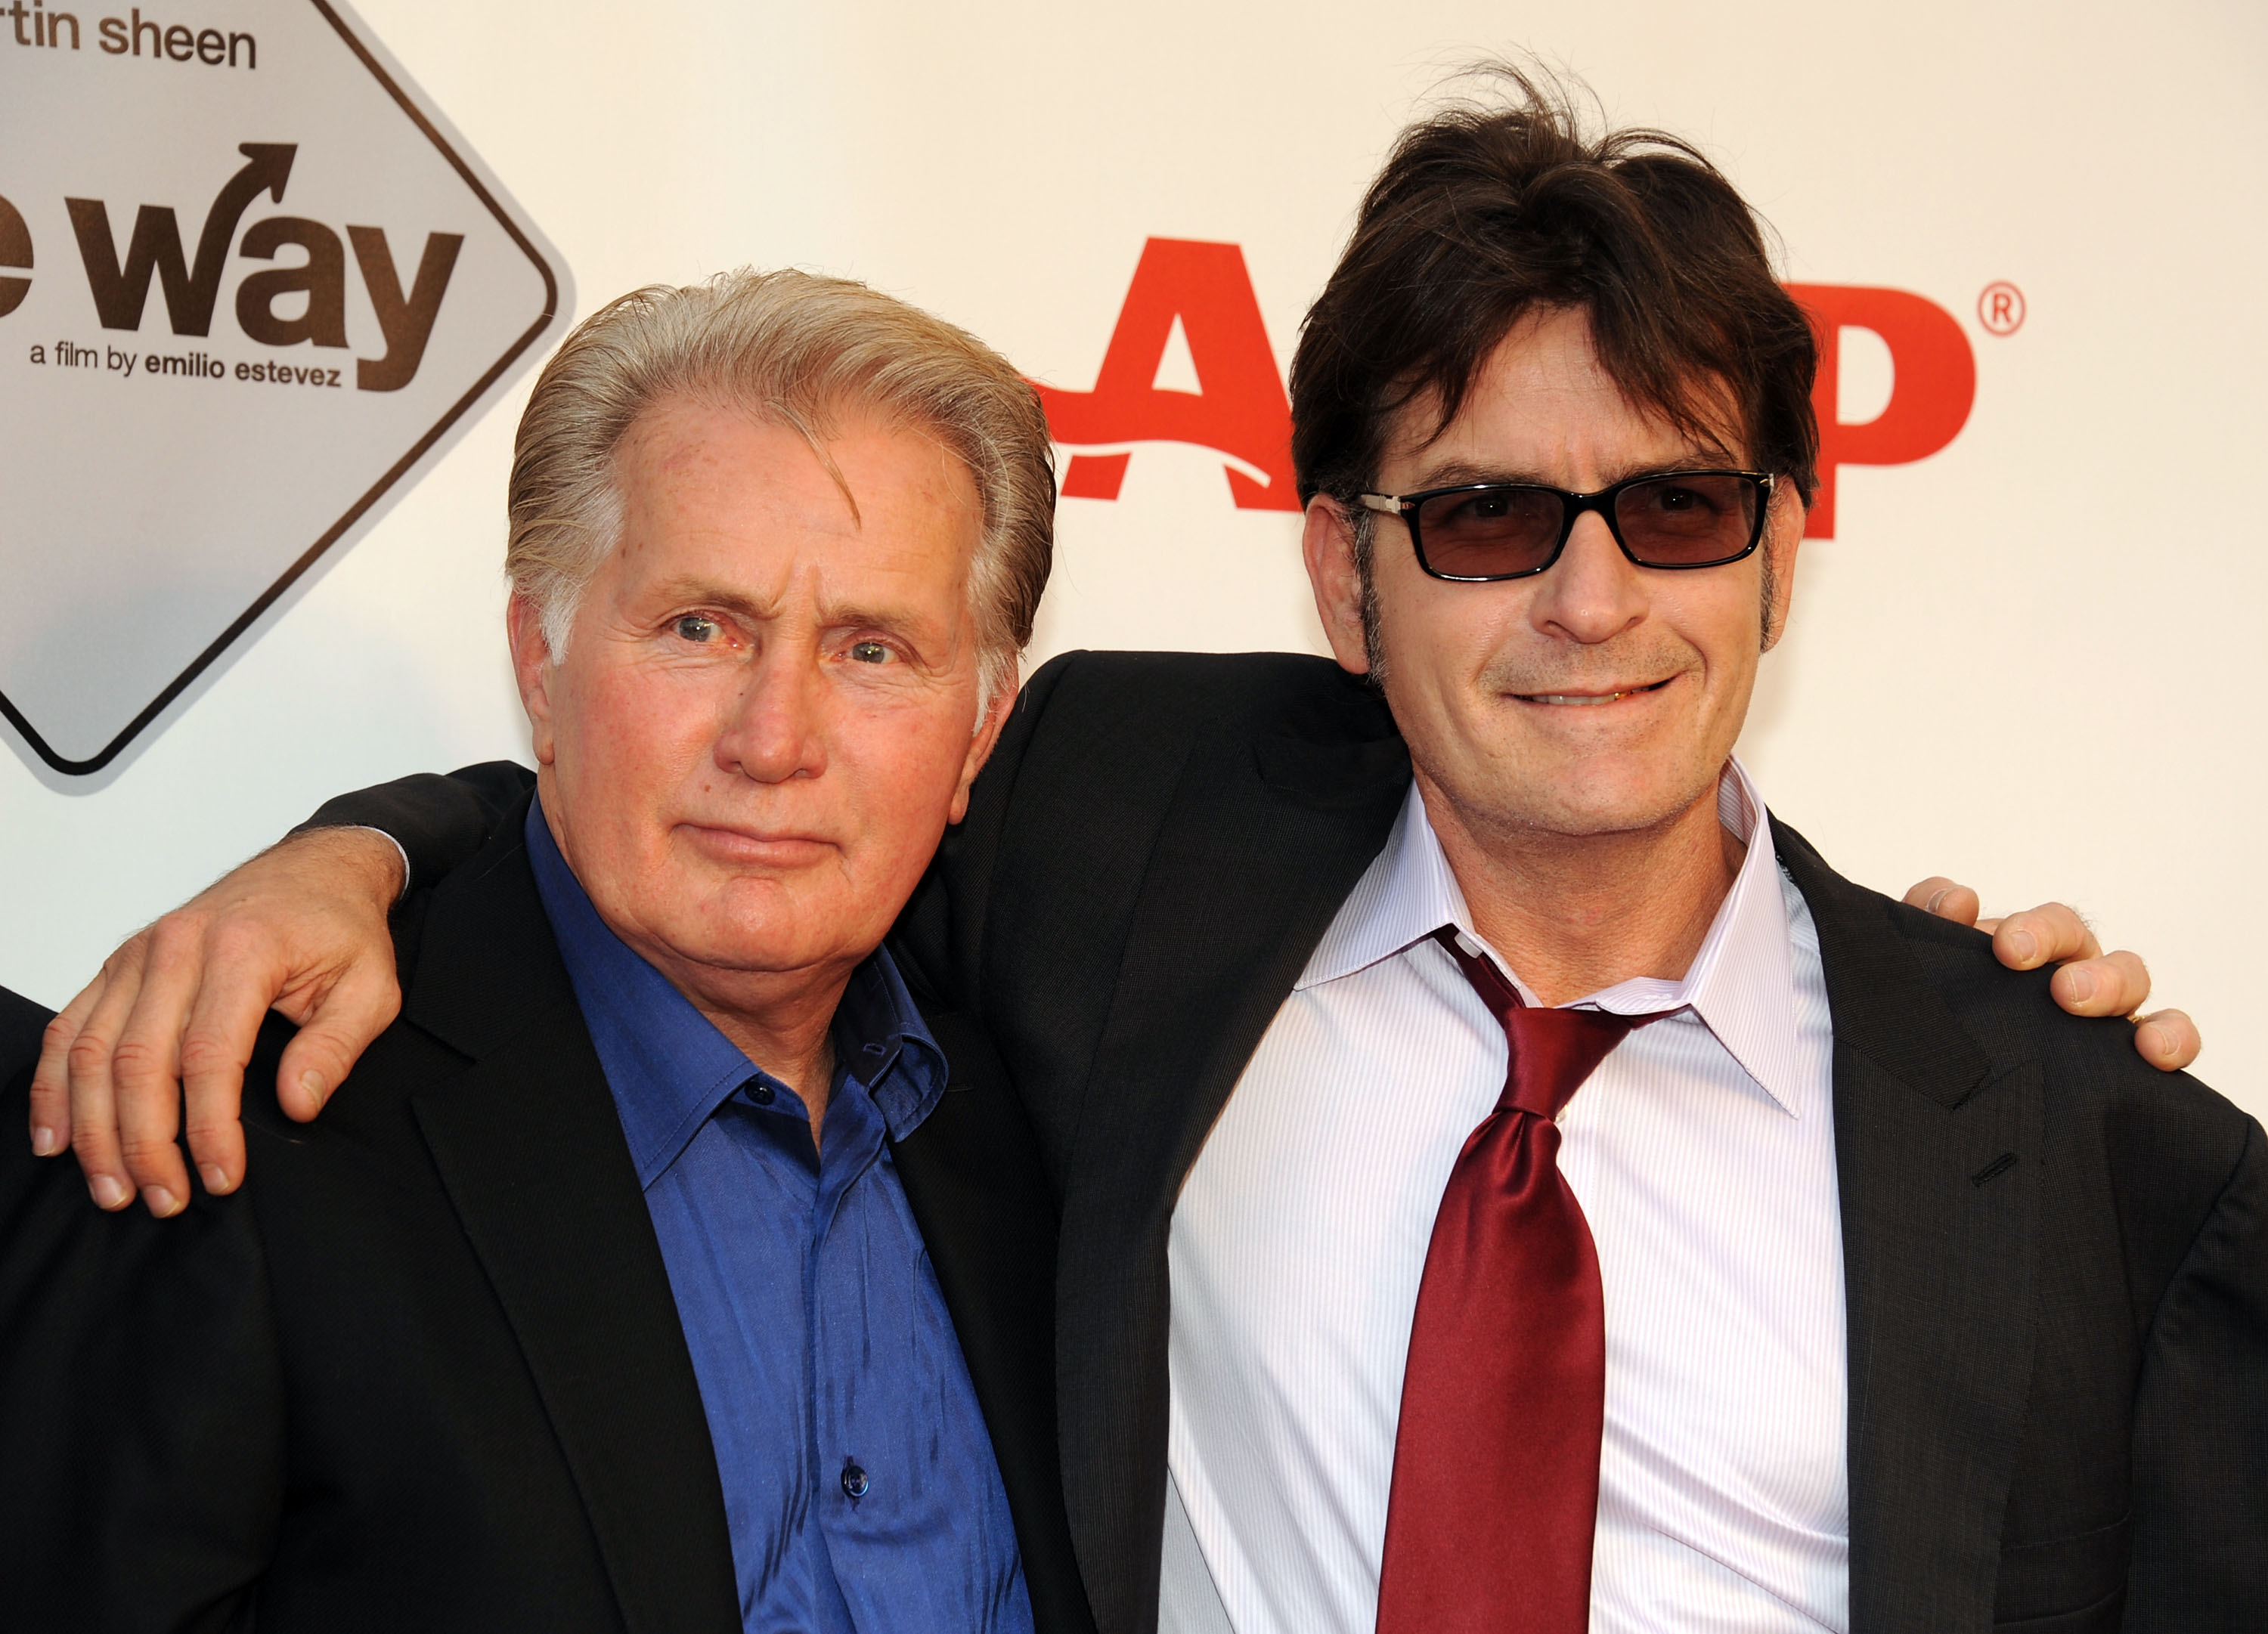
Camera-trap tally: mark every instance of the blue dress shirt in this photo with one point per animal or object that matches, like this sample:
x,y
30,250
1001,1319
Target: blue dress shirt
x,y
860,1487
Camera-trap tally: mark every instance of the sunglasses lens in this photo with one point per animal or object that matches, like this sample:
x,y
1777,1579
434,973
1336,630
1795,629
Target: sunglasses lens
x,y
1492,533
1690,520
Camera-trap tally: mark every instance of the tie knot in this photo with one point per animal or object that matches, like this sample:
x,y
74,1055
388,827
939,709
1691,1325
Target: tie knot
x,y
1551,1051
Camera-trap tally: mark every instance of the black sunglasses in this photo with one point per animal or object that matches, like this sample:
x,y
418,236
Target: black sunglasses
x,y
1483,530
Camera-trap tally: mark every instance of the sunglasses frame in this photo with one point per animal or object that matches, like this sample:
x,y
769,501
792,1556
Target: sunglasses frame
x,y
1573,506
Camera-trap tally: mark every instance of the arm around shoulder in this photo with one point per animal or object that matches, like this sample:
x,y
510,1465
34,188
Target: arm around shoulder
x,y
439,822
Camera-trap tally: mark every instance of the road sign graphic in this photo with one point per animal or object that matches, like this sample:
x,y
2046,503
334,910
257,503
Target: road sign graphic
x,y
252,284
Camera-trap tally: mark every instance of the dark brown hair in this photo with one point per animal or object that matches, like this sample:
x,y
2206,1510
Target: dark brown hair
x,y
1490,209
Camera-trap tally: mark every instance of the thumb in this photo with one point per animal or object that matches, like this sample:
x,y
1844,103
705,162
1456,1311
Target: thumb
x,y
345,1022
1948,899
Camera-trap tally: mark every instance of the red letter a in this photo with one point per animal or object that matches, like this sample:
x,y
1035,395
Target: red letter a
x,y
1241,410
1933,381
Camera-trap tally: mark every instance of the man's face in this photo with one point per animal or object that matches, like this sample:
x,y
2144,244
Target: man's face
x,y
766,713
1596,697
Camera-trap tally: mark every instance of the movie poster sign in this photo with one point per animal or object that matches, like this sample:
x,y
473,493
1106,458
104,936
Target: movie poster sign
x,y
252,284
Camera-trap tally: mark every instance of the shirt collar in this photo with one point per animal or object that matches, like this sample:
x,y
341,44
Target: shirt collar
x,y
1741,985
1406,894
881,1041
669,1066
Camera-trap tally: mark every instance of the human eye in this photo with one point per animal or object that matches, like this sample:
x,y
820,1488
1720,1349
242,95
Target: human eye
x,y
1496,509
870,653
700,629
1685,497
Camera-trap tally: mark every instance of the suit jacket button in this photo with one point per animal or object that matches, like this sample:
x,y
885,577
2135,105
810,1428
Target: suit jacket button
x,y
854,1482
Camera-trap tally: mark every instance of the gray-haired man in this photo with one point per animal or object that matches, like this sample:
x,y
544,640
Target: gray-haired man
x,y
649,1275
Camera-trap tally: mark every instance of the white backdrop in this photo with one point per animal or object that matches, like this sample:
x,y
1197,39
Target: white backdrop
x,y
2028,660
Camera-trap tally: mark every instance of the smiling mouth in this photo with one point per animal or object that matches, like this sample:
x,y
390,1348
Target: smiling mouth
x,y
1579,699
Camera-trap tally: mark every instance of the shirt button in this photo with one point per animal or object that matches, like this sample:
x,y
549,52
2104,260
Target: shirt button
x,y
761,1094
854,1482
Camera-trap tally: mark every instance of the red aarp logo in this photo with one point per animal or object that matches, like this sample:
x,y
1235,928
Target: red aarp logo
x,y
1933,383
1239,409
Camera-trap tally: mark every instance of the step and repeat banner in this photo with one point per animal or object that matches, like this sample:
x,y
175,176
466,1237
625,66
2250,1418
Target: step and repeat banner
x,y
274,274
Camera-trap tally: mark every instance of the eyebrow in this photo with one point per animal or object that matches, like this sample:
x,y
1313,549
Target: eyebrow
x,y
699,592
1461,473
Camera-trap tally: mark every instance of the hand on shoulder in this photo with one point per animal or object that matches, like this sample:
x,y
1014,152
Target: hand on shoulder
x,y
2087,982
172,1019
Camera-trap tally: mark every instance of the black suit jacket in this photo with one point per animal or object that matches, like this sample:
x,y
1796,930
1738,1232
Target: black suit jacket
x,y
424,1369
2055,1258
21,1023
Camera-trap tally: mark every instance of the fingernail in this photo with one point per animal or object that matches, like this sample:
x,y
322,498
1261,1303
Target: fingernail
x,y
215,1180
44,1144
2082,986
313,1082
1937,899
2021,945
160,1202
109,1192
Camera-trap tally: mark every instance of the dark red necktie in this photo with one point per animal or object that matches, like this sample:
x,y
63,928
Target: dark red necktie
x,y
1496,1464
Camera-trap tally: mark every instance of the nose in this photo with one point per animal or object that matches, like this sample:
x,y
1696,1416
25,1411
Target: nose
x,y
774,729
1592,592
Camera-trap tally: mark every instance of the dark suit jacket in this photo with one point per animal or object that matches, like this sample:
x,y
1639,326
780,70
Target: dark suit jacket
x,y
21,1022
2055,1257
425,1370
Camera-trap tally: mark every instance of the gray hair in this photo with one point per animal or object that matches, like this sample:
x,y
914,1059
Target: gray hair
x,y
797,350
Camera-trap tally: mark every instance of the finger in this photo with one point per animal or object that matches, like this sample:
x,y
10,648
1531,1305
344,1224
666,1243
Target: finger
x,y
51,1119
223,1025
2048,934
1948,899
357,1008
2116,984
86,1060
147,1065
2167,1040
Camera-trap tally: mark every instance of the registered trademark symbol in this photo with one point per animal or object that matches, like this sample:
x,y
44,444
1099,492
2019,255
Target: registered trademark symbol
x,y
2000,308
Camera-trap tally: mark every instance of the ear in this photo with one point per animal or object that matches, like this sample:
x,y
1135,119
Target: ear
x,y
1326,541
532,668
1782,535
980,748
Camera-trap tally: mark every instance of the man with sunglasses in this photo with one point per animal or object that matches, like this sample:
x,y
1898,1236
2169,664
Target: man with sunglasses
x,y
1856,1288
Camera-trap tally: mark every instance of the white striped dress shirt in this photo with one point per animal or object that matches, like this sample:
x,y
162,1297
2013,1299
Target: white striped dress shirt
x,y
1703,1153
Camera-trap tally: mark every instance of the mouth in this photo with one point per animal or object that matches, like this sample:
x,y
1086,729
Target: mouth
x,y
774,849
1585,700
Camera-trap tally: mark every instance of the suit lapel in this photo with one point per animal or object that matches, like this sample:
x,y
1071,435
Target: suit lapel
x,y
1262,844
531,1150
1938,1153
973,1177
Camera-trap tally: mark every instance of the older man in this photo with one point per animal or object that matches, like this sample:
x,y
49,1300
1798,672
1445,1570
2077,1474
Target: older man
x,y
1855,1289
602,1300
